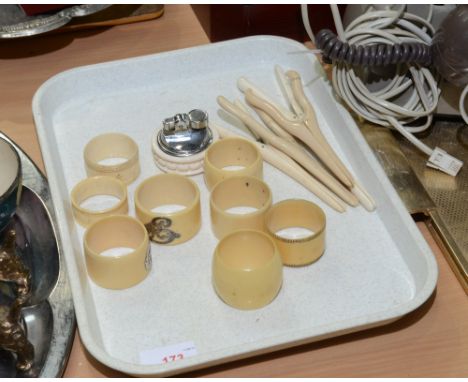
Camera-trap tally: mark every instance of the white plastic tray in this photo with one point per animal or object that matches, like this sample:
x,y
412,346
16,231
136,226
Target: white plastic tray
x,y
376,267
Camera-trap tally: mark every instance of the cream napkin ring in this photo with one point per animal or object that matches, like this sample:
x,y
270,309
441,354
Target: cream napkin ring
x,y
238,191
169,228
117,272
247,272
297,213
112,145
231,151
98,185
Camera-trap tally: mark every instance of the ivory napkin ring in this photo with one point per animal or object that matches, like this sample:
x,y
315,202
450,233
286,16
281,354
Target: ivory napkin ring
x,y
297,213
247,272
238,191
94,186
117,272
112,145
163,190
229,152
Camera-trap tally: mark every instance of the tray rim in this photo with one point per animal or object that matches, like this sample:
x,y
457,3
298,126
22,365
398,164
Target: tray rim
x,y
267,345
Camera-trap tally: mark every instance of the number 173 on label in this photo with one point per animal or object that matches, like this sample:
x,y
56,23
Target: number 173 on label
x,y
168,354
172,358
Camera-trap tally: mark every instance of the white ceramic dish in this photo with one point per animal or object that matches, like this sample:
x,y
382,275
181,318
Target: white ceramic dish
x,y
376,268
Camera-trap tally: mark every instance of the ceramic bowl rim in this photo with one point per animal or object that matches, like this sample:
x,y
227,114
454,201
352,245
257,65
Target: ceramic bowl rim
x,y
17,180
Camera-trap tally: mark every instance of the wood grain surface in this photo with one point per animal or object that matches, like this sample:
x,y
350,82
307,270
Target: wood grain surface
x,y
429,342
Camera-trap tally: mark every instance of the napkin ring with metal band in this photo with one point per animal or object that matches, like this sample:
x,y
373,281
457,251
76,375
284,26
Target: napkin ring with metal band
x,y
232,156
112,146
97,186
180,145
297,213
155,197
119,271
239,191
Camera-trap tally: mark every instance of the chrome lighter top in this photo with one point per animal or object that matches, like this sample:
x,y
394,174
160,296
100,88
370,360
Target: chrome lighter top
x,y
185,134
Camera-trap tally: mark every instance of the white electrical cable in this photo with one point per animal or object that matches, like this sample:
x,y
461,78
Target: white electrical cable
x,y
409,94
462,104
305,21
337,19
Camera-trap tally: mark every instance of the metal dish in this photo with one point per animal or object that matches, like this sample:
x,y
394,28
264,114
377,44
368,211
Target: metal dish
x,y
49,317
15,23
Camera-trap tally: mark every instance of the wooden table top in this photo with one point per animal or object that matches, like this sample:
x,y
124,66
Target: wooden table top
x,y
432,341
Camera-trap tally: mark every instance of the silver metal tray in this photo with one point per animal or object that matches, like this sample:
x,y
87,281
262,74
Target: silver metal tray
x,y
49,316
15,23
